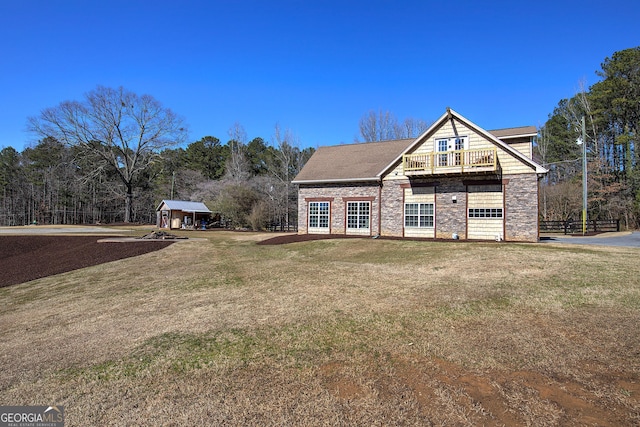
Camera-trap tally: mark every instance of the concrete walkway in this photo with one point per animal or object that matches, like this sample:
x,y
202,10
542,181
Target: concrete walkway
x,y
623,238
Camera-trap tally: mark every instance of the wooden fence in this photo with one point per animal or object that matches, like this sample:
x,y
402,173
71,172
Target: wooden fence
x,y
575,226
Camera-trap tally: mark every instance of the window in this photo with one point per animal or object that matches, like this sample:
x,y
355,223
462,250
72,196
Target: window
x,y
418,215
358,214
318,214
485,213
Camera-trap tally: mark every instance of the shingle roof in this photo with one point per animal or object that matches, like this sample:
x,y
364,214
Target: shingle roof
x,y
181,205
335,163
514,132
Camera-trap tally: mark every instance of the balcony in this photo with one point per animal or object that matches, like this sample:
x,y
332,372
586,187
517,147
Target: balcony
x,y
451,162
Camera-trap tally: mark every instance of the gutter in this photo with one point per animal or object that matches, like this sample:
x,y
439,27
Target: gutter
x,y
333,181
515,136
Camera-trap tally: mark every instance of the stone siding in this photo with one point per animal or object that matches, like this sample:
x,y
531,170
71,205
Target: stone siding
x,y
521,208
392,222
451,217
338,194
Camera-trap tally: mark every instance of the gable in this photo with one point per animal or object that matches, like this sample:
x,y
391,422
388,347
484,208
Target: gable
x,y
453,125
473,140
452,129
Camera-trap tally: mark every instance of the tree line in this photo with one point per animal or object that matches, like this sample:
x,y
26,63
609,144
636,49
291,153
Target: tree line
x,y
115,155
611,112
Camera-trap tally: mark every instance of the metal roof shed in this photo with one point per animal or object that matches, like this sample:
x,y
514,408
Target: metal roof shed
x,y
181,214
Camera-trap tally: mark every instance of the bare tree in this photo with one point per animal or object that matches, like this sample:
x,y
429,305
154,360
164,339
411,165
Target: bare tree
x,y
122,131
412,128
542,147
238,168
384,126
580,106
378,126
287,162
584,102
564,200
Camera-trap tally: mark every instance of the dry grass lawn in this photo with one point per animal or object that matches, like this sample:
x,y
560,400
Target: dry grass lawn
x,y
221,331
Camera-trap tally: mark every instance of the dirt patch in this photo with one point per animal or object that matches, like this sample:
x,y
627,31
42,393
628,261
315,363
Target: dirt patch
x,y
562,400
25,258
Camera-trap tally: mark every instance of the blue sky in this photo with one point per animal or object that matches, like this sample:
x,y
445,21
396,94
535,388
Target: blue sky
x,y
314,67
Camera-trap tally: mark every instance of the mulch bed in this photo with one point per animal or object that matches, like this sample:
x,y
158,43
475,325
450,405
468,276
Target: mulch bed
x,y
294,238
24,258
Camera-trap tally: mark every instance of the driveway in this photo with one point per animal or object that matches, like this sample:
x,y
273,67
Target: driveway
x,y
623,238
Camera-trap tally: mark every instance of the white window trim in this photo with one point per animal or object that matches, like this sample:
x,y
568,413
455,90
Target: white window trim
x,y
319,216
451,140
359,215
419,215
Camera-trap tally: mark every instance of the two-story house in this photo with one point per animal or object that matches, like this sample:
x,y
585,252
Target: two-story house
x,y
456,180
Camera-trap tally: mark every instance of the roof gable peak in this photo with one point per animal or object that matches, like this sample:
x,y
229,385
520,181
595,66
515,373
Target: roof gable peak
x,y
452,115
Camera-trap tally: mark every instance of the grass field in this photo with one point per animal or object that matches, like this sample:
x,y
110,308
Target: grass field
x,y
221,331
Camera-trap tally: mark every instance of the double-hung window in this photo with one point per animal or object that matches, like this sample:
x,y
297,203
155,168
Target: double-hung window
x,y
358,215
418,215
318,214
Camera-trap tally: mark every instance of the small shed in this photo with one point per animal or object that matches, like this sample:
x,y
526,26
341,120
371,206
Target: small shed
x,y
175,214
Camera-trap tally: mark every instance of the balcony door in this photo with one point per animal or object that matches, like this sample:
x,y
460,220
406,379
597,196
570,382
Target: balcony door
x,y
443,147
449,150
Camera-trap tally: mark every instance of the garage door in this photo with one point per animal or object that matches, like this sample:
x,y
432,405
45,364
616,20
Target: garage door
x,y
485,212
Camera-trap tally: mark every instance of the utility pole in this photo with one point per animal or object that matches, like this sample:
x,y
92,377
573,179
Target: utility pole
x,y
584,177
